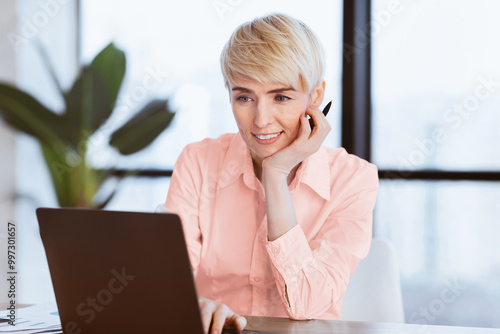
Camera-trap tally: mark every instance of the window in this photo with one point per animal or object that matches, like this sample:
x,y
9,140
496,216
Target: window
x,y
436,86
435,94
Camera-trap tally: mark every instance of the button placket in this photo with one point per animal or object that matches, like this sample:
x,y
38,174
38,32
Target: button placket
x,y
257,267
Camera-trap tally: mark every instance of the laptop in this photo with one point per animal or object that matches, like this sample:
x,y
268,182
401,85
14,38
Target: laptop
x,y
120,272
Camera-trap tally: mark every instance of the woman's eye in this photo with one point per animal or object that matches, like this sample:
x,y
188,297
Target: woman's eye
x,y
282,98
243,98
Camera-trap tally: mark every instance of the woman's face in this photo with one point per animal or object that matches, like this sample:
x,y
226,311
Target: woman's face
x,y
268,115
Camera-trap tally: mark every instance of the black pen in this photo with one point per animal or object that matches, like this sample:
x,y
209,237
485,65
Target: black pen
x,y
325,112
327,108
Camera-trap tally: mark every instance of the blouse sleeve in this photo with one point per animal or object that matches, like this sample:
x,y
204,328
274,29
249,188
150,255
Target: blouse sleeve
x,y
312,276
183,200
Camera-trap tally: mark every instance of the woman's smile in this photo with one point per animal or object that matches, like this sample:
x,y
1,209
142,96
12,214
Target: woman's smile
x,y
266,139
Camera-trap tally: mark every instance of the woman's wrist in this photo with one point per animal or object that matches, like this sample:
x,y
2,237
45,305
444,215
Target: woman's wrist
x,y
269,167
274,179
273,176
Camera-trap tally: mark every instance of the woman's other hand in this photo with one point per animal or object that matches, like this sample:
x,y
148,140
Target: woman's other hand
x,y
308,141
219,315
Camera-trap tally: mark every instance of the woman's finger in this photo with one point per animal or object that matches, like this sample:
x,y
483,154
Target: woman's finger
x,y
322,127
305,128
236,321
317,117
206,311
219,318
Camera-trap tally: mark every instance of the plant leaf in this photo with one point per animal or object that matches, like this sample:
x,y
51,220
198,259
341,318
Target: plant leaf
x,y
74,181
102,175
60,173
102,205
50,68
26,114
88,103
110,63
143,128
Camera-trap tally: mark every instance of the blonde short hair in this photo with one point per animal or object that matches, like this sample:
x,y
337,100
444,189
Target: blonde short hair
x,y
274,48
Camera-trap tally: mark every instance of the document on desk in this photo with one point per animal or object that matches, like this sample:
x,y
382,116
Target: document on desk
x,y
41,318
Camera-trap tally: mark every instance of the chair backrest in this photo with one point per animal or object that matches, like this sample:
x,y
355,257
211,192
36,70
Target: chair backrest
x,y
374,291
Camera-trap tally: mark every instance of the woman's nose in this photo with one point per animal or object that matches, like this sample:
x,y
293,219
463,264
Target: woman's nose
x,y
263,115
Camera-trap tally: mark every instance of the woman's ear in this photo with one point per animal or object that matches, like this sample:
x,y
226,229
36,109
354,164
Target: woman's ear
x,y
317,94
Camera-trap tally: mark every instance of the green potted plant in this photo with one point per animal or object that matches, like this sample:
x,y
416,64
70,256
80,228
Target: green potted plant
x,y
64,137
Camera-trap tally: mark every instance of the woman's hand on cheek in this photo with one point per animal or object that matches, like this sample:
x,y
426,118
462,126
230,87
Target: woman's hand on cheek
x,y
308,141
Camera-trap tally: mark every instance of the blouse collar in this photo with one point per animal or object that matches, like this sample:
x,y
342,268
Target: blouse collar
x,y
313,172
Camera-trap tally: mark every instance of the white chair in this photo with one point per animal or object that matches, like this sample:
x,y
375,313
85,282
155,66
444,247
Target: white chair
x,y
374,291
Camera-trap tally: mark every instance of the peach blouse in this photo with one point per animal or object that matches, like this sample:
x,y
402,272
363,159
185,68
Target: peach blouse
x,y
222,207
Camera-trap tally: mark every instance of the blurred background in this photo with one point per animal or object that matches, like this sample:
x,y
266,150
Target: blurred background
x,y
434,124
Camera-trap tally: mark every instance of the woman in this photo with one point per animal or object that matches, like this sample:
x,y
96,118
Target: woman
x,y
275,223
